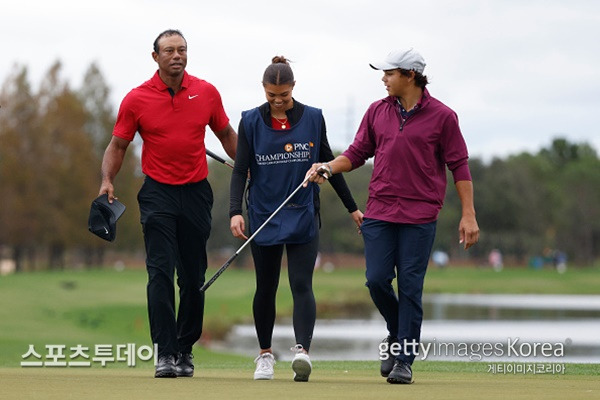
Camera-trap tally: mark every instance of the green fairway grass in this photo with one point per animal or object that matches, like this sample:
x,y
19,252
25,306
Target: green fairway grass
x,y
513,281
105,306
330,380
96,306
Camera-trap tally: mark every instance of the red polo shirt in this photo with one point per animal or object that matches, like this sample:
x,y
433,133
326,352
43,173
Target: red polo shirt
x,y
172,127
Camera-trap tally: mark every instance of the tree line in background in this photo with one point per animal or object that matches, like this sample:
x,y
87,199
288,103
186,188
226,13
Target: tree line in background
x,y
53,138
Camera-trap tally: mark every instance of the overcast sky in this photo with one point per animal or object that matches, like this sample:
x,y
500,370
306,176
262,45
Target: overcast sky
x,y
518,73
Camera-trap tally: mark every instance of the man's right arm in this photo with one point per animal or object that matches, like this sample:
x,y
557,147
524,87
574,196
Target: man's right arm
x,y
111,164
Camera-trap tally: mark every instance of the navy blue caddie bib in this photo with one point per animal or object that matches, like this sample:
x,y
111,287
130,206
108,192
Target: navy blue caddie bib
x,y
279,164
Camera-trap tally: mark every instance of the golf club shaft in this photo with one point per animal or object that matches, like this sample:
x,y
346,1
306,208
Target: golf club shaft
x,y
220,271
230,260
219,159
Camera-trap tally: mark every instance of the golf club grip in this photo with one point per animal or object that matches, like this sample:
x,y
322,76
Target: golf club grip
x,y
218,158
322,173
219,272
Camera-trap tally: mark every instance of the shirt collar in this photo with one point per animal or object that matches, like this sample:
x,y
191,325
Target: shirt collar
x,y
422,101
160,85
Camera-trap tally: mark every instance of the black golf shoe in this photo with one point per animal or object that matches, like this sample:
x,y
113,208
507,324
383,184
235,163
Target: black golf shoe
x,y
402,373
185,364
165,368
388,364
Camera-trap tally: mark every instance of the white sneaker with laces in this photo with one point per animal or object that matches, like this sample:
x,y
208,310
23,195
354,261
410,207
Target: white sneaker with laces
x,y
301,364
264,366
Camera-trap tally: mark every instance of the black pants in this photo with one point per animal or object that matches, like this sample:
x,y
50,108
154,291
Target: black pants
x,y
301,263
176,223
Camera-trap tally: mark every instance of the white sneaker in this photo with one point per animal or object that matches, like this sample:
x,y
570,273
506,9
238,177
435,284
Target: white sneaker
x,y
264,366
301,364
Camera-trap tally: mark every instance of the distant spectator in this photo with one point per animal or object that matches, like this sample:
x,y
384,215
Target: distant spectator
x,y
495,260
536,262
440,258
560,261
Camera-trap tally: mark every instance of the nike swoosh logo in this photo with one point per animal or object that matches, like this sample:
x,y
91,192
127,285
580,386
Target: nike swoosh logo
x,y
191,97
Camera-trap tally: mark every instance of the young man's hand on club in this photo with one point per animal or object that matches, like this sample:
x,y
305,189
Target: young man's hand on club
x,y
318,173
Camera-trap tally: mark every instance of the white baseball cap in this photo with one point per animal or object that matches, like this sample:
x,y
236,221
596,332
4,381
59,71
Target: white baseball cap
x,y
408,59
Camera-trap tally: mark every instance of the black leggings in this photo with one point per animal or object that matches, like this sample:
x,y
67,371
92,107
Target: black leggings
x,y
301,264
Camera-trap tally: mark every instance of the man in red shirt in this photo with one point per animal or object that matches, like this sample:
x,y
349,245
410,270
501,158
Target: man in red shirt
x,y
413,137
170,112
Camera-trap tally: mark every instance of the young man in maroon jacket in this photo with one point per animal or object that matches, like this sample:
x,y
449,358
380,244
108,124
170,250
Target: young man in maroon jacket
x,y
413,138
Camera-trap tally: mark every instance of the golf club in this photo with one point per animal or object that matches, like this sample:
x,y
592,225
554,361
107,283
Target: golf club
x,y
233,257
219,159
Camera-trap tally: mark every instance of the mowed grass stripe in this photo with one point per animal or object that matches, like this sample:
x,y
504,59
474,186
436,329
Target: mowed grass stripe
x,y
355,380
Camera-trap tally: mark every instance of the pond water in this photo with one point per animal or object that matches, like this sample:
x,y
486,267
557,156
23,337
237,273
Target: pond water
x,y
518,328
